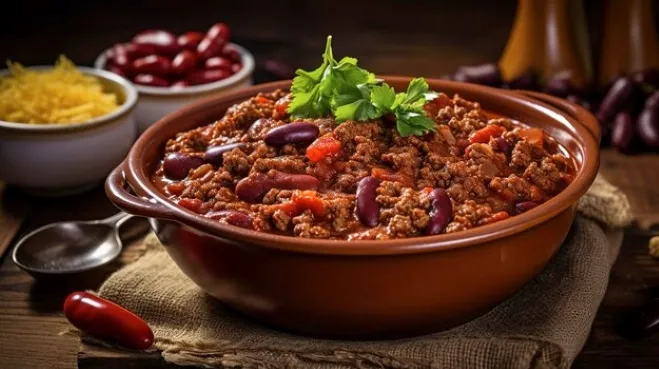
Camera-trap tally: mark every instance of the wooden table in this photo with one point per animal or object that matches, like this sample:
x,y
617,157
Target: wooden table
x,y
432,39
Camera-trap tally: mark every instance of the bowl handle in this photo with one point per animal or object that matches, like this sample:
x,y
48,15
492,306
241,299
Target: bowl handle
x,y
573,110
115,189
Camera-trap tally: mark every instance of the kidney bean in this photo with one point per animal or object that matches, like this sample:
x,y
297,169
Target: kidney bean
x,y
560,84
296,133
486,74
180,84
526,81
616,99
279,69
504,145
648,126
184,62
116,70
524,206
218,62
233,217
120,58
253,187
200,77
150,80
219,30
161,41
190,40
652,101
232,53
367,209
441,211
209,47
153,64
236,67
214,154
106,320
177,165
191,204
623,132
648,77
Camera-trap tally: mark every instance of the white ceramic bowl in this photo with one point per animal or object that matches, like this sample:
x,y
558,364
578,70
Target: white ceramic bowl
x,y
62,159
156,102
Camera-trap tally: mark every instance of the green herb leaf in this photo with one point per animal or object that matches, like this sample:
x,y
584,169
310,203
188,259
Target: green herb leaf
x,y
416,90
383,98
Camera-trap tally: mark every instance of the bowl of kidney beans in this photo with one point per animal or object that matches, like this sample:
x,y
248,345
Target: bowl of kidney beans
x,y
172,70
627,107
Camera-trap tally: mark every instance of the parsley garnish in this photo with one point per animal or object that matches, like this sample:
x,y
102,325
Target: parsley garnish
x,y
353,93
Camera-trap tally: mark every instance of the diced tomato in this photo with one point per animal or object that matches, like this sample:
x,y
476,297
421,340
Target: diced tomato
x,y
262,100
175,188
386,175
534,136
437,104
323,147
191,204
496,217
289,208
281,106
484,134
309,200
536,195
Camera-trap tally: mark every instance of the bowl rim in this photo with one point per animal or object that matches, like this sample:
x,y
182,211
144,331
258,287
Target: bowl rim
x,y
129,103
247,60
136,174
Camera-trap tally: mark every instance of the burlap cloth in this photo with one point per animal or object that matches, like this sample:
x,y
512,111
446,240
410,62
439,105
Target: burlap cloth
x,y
543,326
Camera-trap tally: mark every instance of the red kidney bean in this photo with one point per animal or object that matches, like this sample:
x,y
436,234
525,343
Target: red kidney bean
x,y
209,47
153,64
191,204
177,165
366,208
116,70
104,319
219,30
560,84
180,84
504,145
649,77
486,74
524,206
184,62
616,99
255,186
236,67
218,62
200,77
279,69
526,81
150,80
652,101
120,59
648,126
214,154
162,42
296,133
623,132
190,40
233,217
441,212
232,53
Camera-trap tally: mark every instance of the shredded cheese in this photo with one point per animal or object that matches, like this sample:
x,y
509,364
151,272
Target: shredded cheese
x,y
60,95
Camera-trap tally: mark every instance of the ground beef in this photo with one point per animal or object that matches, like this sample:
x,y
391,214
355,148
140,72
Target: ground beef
x,y
484,178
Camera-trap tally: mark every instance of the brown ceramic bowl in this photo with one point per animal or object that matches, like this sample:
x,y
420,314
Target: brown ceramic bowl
x,y
361,289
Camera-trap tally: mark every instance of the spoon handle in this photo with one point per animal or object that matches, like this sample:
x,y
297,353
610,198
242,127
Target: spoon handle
x,y
117,219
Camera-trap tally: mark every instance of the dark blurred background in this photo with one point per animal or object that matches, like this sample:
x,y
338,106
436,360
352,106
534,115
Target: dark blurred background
x,y
388,36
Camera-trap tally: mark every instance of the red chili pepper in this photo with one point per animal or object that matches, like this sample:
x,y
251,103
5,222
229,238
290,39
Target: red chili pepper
x,y
104,319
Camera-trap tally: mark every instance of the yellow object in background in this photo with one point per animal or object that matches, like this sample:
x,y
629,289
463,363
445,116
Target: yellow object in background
x,y
59,95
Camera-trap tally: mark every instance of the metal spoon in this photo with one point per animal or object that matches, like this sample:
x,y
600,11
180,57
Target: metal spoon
x,y
70,247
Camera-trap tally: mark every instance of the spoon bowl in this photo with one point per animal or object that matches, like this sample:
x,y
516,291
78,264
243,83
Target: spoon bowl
x,y
70,247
